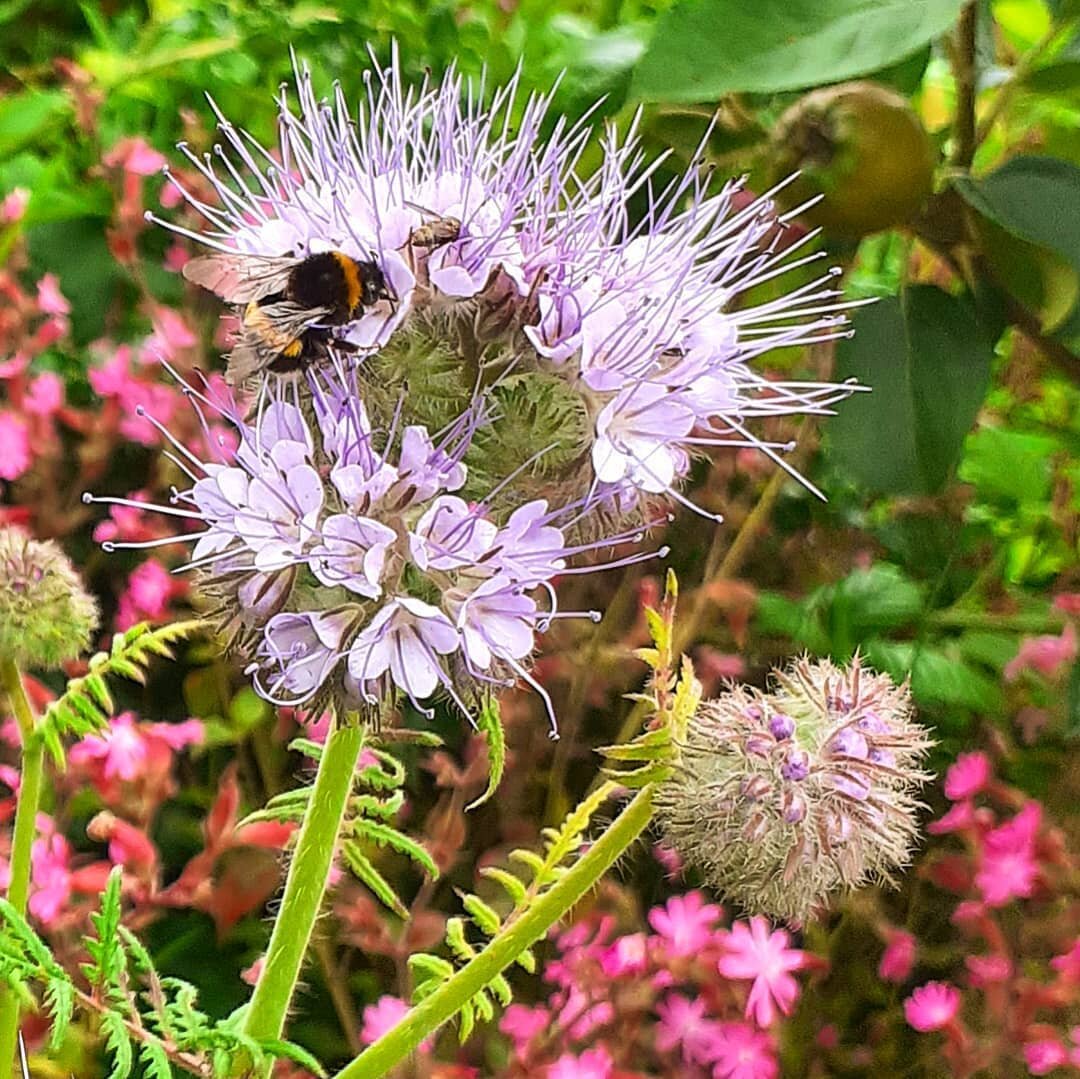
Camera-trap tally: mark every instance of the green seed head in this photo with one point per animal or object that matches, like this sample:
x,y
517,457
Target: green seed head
x,y
46,615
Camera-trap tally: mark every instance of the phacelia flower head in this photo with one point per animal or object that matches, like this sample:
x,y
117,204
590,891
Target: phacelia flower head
x,y
624,341
349,563
783,799
522,372
46,615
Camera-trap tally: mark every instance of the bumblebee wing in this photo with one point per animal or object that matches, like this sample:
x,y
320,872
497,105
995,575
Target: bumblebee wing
x,y
260,345
292,319
245,361
240,278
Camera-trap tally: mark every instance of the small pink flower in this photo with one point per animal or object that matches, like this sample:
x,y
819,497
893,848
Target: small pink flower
x,y
1068,964
685,922
49,297
177,257
932,1006
744,1053
50,858
13,205
593,1064
45,394
135,155
757,953
967,777
684,1025
957,818
1067,602
113,377
251,975
522,1023
384,1015
898,958
1044,1056
149,591
986,970
1008,868
628,955
15,454
120,747
1046,654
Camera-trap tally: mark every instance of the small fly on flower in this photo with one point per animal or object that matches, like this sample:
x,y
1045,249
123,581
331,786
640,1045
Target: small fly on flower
x,y
436,233
290,305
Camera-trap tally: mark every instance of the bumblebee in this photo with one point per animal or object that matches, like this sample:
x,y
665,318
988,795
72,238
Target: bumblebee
x,y
289,305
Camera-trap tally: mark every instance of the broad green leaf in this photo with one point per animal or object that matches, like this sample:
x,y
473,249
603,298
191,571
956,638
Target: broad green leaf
x,y
938,676
1028,217
1008,466
24,117
926,355
704,48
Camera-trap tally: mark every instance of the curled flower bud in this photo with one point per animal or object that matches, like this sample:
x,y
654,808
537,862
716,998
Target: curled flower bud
x,y
46,615
832,806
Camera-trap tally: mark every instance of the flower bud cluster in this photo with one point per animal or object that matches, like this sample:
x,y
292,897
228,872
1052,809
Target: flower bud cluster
x,y
46,615
784,798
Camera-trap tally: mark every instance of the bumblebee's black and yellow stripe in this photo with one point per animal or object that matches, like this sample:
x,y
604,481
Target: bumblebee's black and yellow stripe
x,y
290,306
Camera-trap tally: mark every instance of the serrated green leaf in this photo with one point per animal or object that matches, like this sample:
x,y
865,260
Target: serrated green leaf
x,y
490,725
486,918
117,1045
640,749
528,858
278,1047
501,988
527,961
361,867
430,966
513,886
648,655
466,1022
384,835
484,1007
655,772
155,1060
457,941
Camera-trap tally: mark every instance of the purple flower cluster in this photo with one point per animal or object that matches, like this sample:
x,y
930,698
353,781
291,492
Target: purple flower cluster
x,y
642,322
345,563
784,798
393,520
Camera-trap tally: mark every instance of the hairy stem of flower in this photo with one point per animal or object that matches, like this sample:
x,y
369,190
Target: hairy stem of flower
x,y
527,928
305,886
22,840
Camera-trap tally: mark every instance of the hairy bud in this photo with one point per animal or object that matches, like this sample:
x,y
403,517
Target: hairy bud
x,y
46,615
783,799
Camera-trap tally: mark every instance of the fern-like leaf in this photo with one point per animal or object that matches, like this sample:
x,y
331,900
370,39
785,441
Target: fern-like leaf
x,y
86,704
489,723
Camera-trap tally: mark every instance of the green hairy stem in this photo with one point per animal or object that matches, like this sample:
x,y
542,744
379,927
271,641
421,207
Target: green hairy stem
x,y
305,886
22,840
527,928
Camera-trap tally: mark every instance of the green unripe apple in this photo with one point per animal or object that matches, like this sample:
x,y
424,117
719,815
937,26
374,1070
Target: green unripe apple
x,y
859,145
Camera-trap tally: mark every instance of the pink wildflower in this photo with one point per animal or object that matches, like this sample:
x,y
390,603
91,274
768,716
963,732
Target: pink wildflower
x,y
522,1023
135,155
113,377
1008,867
628,955
45,394
757,953
1046,654
932,1006
15,454
384,1015
683,1024
13,205
899,956
49,297
967,777
149,590
1067,602
251,975
1068,964
957,818
685,922
744,1053
593,1064
986,970
50,870
1044,1056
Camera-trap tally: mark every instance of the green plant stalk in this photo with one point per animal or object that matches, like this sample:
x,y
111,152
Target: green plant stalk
x,y
506,946
305,886
22,839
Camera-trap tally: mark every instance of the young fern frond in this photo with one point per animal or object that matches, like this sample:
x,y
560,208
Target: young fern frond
x,y
160,1028
86,704
673,697
561,846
